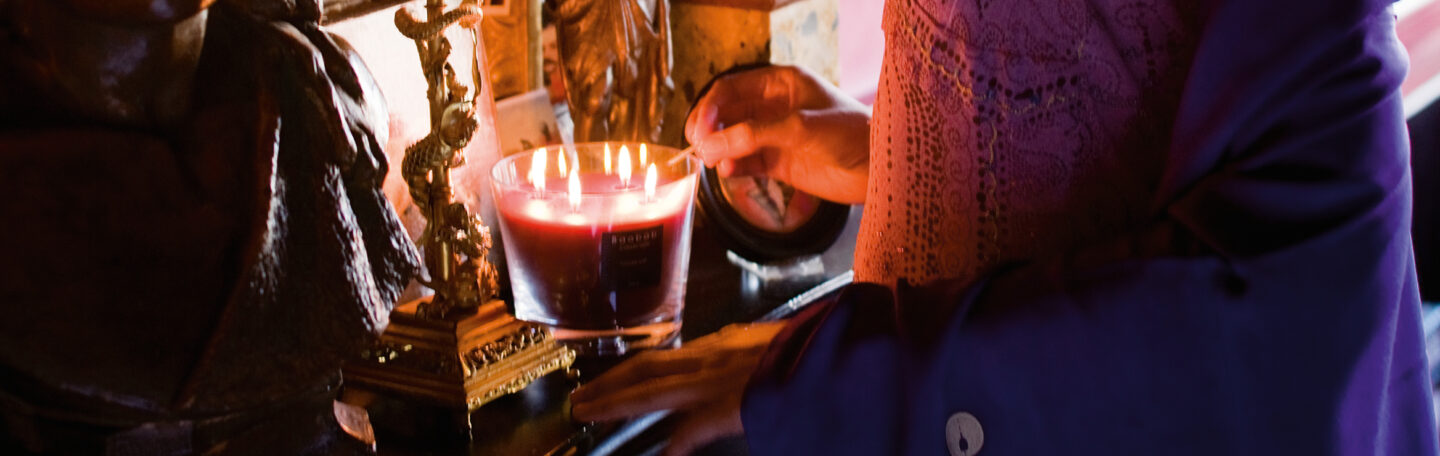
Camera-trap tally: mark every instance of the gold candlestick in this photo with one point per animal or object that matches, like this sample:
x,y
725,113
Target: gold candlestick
x,y
459,348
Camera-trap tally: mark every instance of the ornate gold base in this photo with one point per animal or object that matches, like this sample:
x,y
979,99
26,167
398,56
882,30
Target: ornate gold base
x,y
460,363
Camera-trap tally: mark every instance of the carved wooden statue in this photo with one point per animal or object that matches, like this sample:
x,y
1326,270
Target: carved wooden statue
x,y
195,234
616,60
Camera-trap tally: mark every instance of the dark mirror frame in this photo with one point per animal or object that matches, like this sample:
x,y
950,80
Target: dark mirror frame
x,y
754,243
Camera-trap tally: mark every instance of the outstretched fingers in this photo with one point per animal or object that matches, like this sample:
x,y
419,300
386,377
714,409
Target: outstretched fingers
x,y
642,367
663,393
702,381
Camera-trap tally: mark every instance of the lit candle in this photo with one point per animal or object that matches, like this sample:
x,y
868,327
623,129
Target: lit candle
x,y
537,170
607,256
575,189
643,153
649,180
608,171
625,167
560,163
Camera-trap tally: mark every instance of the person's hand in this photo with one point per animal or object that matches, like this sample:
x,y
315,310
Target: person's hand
x,y
784,123
702,382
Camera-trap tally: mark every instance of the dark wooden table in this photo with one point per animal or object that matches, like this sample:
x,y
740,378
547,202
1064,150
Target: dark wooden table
x,y
536,420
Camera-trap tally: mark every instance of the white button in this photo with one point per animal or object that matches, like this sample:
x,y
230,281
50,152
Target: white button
x,y
964,435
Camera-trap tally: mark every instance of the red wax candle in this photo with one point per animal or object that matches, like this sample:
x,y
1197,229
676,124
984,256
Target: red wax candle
x,y
612,259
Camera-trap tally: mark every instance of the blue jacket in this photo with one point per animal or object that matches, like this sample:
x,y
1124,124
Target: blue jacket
x,y
1270,308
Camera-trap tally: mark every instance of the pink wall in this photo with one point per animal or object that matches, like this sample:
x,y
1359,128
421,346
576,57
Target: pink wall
x,y
862,45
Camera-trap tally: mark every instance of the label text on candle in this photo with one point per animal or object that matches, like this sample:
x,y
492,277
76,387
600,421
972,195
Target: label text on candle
x,y
632,258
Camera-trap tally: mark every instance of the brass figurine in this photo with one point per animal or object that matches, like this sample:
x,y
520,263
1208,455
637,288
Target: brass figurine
x,y
459,348
455,243
616,59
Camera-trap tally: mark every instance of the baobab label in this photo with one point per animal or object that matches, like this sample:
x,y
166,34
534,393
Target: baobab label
x,y
632,258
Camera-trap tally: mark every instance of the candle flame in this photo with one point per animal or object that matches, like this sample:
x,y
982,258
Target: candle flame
x,y
643,154
560,163
575,189
650,182
537,169
625,167
607,159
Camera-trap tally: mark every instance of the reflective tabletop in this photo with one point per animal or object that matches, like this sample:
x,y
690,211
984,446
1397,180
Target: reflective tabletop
x,y
722,289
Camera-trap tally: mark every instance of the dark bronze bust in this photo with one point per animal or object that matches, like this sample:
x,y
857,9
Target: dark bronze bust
x,y
195,232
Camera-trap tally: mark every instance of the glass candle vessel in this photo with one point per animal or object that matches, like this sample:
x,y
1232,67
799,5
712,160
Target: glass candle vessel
x,y
597,240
